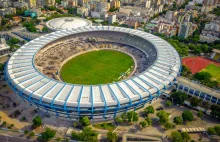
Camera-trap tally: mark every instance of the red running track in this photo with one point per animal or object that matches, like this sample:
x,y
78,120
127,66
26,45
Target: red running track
x,y
196,64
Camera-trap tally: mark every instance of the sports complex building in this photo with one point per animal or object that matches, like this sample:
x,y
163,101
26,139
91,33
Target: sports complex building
x,y
67,23
103,101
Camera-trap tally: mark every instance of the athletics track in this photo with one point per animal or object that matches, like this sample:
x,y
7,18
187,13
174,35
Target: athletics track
x,y
196,64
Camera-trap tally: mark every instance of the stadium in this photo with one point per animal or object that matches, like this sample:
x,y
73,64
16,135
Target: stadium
x,y
36,79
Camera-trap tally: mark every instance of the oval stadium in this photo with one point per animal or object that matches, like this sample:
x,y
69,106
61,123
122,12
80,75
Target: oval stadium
x,y
33,72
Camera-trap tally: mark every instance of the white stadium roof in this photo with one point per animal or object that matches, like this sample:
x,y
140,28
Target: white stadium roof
x,y
67,23
22,73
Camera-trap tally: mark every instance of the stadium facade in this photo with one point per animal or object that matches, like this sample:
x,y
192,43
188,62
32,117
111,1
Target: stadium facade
x,y
103,101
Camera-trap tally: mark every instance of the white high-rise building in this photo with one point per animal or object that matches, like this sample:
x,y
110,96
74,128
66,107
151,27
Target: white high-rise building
x,y
147,3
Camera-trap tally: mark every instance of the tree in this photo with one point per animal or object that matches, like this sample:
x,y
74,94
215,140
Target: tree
x,y
14,41
211,131
72,10
215,109
48,134
66,140
181,48
185,136
11,126
30,26
205,105
45,29
200,114
113,9
176,136
112,136
119,120
84,121
149,121
132,116
203,76
115,24
168,103
163,116
149,109
217,129
178,120
168,125
37,121
86,135
58,139
143,124
216,11
26,132
58,1
187,115
75,124
1,67
4,123
194,102
19,11
124,116
23,118
179,97
32,134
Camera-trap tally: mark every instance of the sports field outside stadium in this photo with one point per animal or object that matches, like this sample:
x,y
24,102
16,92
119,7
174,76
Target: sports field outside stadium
x,y
214,70
198,64
96,67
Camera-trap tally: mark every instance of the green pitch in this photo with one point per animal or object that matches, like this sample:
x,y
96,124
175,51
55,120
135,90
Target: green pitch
x,y
96,67
214,71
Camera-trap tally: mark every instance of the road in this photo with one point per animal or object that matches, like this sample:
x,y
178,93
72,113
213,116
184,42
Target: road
x,y
13,137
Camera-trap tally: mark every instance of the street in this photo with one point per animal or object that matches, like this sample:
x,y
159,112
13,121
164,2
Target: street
x,y
7,137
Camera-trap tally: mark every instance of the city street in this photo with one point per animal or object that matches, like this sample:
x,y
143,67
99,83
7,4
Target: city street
x,y
7,136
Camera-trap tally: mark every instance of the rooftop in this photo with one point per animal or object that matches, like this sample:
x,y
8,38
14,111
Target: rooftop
x,y
67,23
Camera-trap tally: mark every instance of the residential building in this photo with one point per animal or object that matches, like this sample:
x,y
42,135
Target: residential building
x,y
111,19
169,15
31,3
30,13
37,11
8,10
16,19
210,2
115,4
184,29
4,48
82,2
64,3
127,11
206,9
216,54
49,2
40,3
83,11
147,3
20,4
5,3
211,32
132,24
100,6
73,3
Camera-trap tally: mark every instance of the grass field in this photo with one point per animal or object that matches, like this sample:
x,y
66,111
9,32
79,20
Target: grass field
x,y
96,67
106,126
214,71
